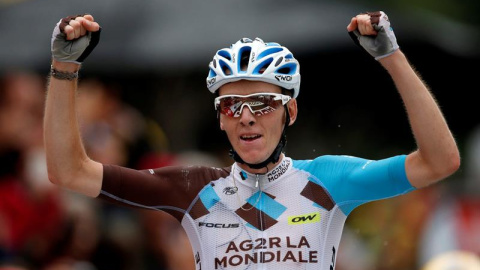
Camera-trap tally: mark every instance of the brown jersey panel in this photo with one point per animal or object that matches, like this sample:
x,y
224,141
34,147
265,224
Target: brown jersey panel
x,y
166,188
318,195
255,217
198,210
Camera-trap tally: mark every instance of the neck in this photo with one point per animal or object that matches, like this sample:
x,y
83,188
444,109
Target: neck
x,y
263,170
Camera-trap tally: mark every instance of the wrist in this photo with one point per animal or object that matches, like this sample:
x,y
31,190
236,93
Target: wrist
x,y
64,70
65,66
392,60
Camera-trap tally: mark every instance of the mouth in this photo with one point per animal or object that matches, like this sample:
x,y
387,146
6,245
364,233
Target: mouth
x,y
250,137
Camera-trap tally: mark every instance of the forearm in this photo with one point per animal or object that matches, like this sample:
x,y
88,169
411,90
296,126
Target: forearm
x,y
437,149
67,162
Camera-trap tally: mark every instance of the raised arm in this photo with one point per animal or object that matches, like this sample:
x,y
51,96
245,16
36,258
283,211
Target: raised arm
x,y
68,164
437,155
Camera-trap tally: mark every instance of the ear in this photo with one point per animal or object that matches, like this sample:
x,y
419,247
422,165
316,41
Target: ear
x,y
292,110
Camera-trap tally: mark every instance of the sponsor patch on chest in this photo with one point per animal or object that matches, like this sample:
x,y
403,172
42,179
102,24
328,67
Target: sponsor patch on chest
x,y
304,219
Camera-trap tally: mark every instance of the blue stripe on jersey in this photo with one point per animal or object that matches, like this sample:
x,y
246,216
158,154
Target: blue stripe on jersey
x,y
267,205
352,181
209,197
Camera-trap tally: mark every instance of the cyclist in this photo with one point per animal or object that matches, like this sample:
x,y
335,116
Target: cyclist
x,y
266,211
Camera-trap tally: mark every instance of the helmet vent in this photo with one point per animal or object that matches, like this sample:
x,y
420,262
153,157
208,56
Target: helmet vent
x,y
269,51
212,74
244,57
225,54
288,69
272,44
225,68
263,66
279,61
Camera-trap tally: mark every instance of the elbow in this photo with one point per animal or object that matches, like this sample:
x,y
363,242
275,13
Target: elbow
x,y
449,166
454,163
55,176
424,172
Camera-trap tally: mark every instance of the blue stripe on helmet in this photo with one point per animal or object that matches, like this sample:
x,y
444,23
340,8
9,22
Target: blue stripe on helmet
x,y
268,52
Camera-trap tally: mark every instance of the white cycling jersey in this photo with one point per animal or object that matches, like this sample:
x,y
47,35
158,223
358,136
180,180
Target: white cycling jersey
x,y
290,218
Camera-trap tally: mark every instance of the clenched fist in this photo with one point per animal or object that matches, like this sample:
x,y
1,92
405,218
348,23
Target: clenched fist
x,y
372,31
74,38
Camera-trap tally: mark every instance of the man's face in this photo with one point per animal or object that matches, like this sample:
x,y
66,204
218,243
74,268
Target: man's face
x,y
253,137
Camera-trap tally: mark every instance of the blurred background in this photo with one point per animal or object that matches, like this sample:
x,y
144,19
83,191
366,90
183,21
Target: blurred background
x,y
143,103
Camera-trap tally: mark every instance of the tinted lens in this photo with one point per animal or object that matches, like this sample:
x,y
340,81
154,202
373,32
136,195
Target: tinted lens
x,y
258,104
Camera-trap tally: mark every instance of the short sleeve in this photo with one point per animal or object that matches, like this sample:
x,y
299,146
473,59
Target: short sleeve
x,y
352,181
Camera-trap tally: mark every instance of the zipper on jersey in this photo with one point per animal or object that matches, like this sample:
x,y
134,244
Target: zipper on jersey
x,y
257,188
261,233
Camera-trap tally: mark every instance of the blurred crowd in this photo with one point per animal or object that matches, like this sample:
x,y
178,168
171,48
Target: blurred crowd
x,y
43,227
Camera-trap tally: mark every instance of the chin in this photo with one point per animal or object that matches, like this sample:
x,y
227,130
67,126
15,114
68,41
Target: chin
x,y
253,157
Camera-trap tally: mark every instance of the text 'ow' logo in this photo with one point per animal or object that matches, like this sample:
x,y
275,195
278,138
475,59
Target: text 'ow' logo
x,y
304,219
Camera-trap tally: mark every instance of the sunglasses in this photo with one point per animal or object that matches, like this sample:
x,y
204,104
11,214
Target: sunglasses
x,y
258,104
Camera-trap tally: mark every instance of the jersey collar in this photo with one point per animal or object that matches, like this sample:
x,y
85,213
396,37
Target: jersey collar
x,y
251,179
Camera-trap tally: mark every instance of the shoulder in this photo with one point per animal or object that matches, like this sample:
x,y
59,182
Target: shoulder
x,y
170,175
327,160
192,172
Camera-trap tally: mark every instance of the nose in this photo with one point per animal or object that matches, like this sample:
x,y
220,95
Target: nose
x,y
246,117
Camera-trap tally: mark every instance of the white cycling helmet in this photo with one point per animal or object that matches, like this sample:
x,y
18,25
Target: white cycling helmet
x,y
255,61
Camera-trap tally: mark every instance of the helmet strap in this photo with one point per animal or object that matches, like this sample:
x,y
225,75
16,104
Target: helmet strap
x,y
275,156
